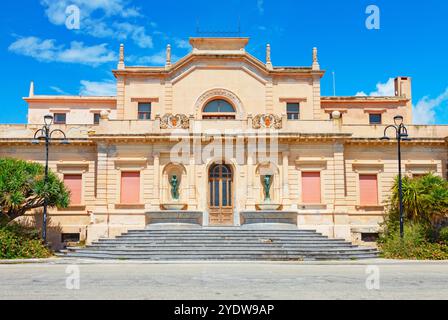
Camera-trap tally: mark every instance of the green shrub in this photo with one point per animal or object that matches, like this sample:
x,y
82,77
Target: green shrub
x,y
18,242
414,245
443,235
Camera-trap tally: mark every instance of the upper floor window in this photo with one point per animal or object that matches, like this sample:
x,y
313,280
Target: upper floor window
x,y
96,118
375,118
60,118
219,109
293,111
144,111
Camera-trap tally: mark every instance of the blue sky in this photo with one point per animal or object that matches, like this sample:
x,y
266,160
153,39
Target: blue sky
x,y
35,44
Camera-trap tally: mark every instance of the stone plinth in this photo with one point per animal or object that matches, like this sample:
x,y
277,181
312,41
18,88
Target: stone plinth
x,y
173,216
271,217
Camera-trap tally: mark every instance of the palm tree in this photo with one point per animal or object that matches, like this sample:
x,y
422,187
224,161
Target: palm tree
x,y
425,199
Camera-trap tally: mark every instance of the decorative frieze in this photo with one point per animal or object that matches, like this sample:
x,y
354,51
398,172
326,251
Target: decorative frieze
x,y
171,121
267,121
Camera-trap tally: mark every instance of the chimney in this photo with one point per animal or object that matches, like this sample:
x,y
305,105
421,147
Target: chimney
x,y
403,87
121,65
31,89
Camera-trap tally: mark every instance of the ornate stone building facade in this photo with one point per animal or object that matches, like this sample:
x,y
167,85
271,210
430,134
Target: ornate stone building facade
x,y
220,138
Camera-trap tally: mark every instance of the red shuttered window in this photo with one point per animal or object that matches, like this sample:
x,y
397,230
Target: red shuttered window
x,y
130,187
73,182
368,189
311,188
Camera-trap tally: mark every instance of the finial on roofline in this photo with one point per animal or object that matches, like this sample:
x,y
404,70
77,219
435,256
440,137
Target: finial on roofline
x,y
268,56
316,65
168,56
121,65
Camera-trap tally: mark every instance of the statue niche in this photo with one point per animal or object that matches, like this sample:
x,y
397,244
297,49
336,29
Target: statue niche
x,y
268,176
173,187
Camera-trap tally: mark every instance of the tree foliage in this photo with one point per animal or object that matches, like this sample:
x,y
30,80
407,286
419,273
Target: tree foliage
x,y
23,188
425,199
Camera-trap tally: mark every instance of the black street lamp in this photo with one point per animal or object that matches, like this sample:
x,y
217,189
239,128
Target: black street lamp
x,y
47,134
401,135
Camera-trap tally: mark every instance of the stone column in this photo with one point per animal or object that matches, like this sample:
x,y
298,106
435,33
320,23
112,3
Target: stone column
x,y
285,179
156,170
250,202
101,177
341,220
192,183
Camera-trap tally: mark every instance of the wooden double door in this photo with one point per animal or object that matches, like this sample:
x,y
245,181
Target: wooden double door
x,y
221,195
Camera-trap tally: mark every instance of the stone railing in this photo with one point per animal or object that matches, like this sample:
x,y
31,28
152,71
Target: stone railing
x,y
220,127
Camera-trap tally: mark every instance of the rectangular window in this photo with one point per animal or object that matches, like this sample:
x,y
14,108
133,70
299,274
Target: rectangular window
x,y
293,111
368,189
130,187
375,118
144,111
311,188
96,118
73,182
60,118
70,237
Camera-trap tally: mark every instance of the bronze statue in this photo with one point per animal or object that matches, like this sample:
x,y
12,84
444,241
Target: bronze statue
x,y
267,183
174,182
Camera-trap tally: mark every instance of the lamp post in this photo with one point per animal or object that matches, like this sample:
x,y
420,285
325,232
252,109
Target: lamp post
x,y
401,133
46,134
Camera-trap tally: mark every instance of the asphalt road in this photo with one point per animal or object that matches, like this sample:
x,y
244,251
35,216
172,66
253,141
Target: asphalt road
x,y
376,279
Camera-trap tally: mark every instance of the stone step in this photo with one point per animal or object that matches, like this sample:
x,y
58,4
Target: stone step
x,y
186,252
220,232
214,244
223,231
224,237
222,244
230,257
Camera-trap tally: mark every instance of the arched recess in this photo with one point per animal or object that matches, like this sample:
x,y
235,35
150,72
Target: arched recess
x,y
220,94
264,169
169,171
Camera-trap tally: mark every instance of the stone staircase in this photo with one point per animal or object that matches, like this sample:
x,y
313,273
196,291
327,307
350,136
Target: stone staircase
x,y
221,244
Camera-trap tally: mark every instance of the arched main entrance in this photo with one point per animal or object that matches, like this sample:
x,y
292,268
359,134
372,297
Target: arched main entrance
x,y
220,198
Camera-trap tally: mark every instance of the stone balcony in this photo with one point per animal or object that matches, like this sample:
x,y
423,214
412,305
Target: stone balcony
x,y
293,129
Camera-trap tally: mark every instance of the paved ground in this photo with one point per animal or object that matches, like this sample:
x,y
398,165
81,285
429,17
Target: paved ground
x,y
126,280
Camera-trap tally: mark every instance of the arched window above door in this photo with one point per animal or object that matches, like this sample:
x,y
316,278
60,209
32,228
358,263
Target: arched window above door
x,y
219,109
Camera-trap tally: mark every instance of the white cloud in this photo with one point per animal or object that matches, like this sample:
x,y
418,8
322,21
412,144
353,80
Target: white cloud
x,y
136,33
182,44
386,89
260,6
425,110
58,90
158,59
48,51
93,88
102,19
